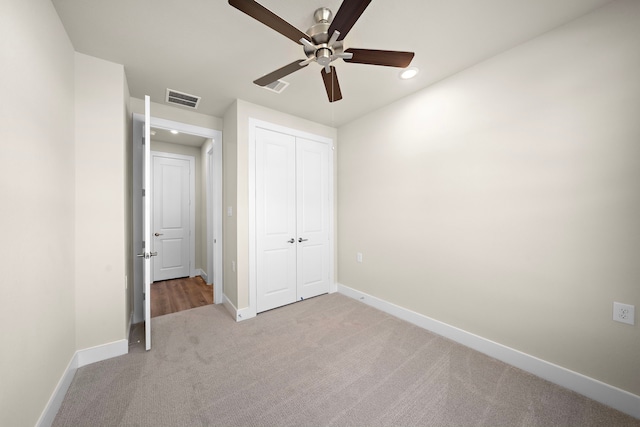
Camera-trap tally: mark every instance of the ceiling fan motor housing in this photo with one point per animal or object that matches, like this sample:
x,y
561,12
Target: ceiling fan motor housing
x,y
320,36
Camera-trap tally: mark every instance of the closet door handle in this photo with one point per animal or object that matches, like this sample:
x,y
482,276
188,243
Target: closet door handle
x,y
300,240
292,240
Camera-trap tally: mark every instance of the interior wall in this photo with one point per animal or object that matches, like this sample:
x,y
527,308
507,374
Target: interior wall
x,y
37,301
100,132
505,200
200,226
245,111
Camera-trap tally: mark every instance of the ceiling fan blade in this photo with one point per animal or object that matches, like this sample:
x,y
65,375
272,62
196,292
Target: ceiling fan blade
x,y
280,72
389,58
270,19
348,14
331,84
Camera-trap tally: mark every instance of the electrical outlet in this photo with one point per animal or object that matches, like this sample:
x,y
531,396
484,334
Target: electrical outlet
x,y
624,313
359,257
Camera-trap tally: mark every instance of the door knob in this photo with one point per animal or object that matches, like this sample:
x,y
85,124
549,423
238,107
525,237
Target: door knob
x,y
300,240
291,241
158,234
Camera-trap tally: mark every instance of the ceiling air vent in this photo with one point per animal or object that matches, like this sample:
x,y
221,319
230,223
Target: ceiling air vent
x,y
183,99
278,86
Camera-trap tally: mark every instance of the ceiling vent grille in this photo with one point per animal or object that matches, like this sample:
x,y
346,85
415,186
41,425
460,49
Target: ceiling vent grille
x,y
182,99
278,86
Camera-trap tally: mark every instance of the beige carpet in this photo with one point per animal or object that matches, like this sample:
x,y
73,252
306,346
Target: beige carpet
x,y
327,361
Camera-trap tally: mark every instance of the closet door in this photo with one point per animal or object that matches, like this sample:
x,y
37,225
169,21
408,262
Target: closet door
x,y
275,219
312,190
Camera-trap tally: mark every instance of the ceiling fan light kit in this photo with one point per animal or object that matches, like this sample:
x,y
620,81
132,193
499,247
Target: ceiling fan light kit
x,y
322,43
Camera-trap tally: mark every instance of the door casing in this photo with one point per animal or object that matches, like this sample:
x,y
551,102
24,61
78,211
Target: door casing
x,y
216,136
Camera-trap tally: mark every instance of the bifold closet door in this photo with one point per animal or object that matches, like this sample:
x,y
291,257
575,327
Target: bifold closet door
x,y
275,219
292,219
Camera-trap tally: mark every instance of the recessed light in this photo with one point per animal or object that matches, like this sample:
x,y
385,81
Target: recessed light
x,y
409,73
175,132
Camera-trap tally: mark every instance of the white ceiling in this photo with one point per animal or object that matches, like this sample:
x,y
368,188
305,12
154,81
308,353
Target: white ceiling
x,y
210,49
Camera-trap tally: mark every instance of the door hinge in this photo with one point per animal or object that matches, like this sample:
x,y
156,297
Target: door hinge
x,y
143,244
144,193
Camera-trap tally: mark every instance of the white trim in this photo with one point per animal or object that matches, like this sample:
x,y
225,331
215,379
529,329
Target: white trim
x,y
229,306
251,310
241,314
80,358
214,215
192,206
55,401
200,272
214,134
597,390
102,352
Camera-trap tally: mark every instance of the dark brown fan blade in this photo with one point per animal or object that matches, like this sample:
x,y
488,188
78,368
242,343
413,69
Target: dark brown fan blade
x,y
279,73
332,85
348,14
389,58
268,18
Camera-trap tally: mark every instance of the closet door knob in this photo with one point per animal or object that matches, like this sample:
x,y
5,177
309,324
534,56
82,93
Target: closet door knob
x,y
291,241
300,240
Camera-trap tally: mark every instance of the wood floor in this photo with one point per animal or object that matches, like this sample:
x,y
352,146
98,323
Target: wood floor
x,y
170,296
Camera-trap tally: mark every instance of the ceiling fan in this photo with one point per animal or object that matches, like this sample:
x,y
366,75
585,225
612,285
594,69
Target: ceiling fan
x,y
323,42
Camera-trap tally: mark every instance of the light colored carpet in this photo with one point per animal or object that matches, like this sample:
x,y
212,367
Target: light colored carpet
x,y
327,361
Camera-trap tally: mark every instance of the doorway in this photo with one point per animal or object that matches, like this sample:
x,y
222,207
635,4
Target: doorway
x,y
208,142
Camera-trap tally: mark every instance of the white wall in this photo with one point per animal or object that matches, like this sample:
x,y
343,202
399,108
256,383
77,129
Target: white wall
x,y
505,200
237,185
37,306
100,132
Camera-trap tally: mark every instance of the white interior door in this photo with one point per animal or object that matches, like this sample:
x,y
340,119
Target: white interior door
x,y
313,228
146,238
171,217
275,219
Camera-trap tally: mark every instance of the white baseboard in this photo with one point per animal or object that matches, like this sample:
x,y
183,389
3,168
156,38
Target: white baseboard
x,y
55,401
230,307
80,358
238,314
102,352
200,272
619,399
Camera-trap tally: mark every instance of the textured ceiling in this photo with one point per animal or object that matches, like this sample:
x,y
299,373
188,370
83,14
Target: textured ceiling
x,y
210,49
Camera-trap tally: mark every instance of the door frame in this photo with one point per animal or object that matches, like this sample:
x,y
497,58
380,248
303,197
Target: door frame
x,y
251,310
192,207
213,212
216,137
